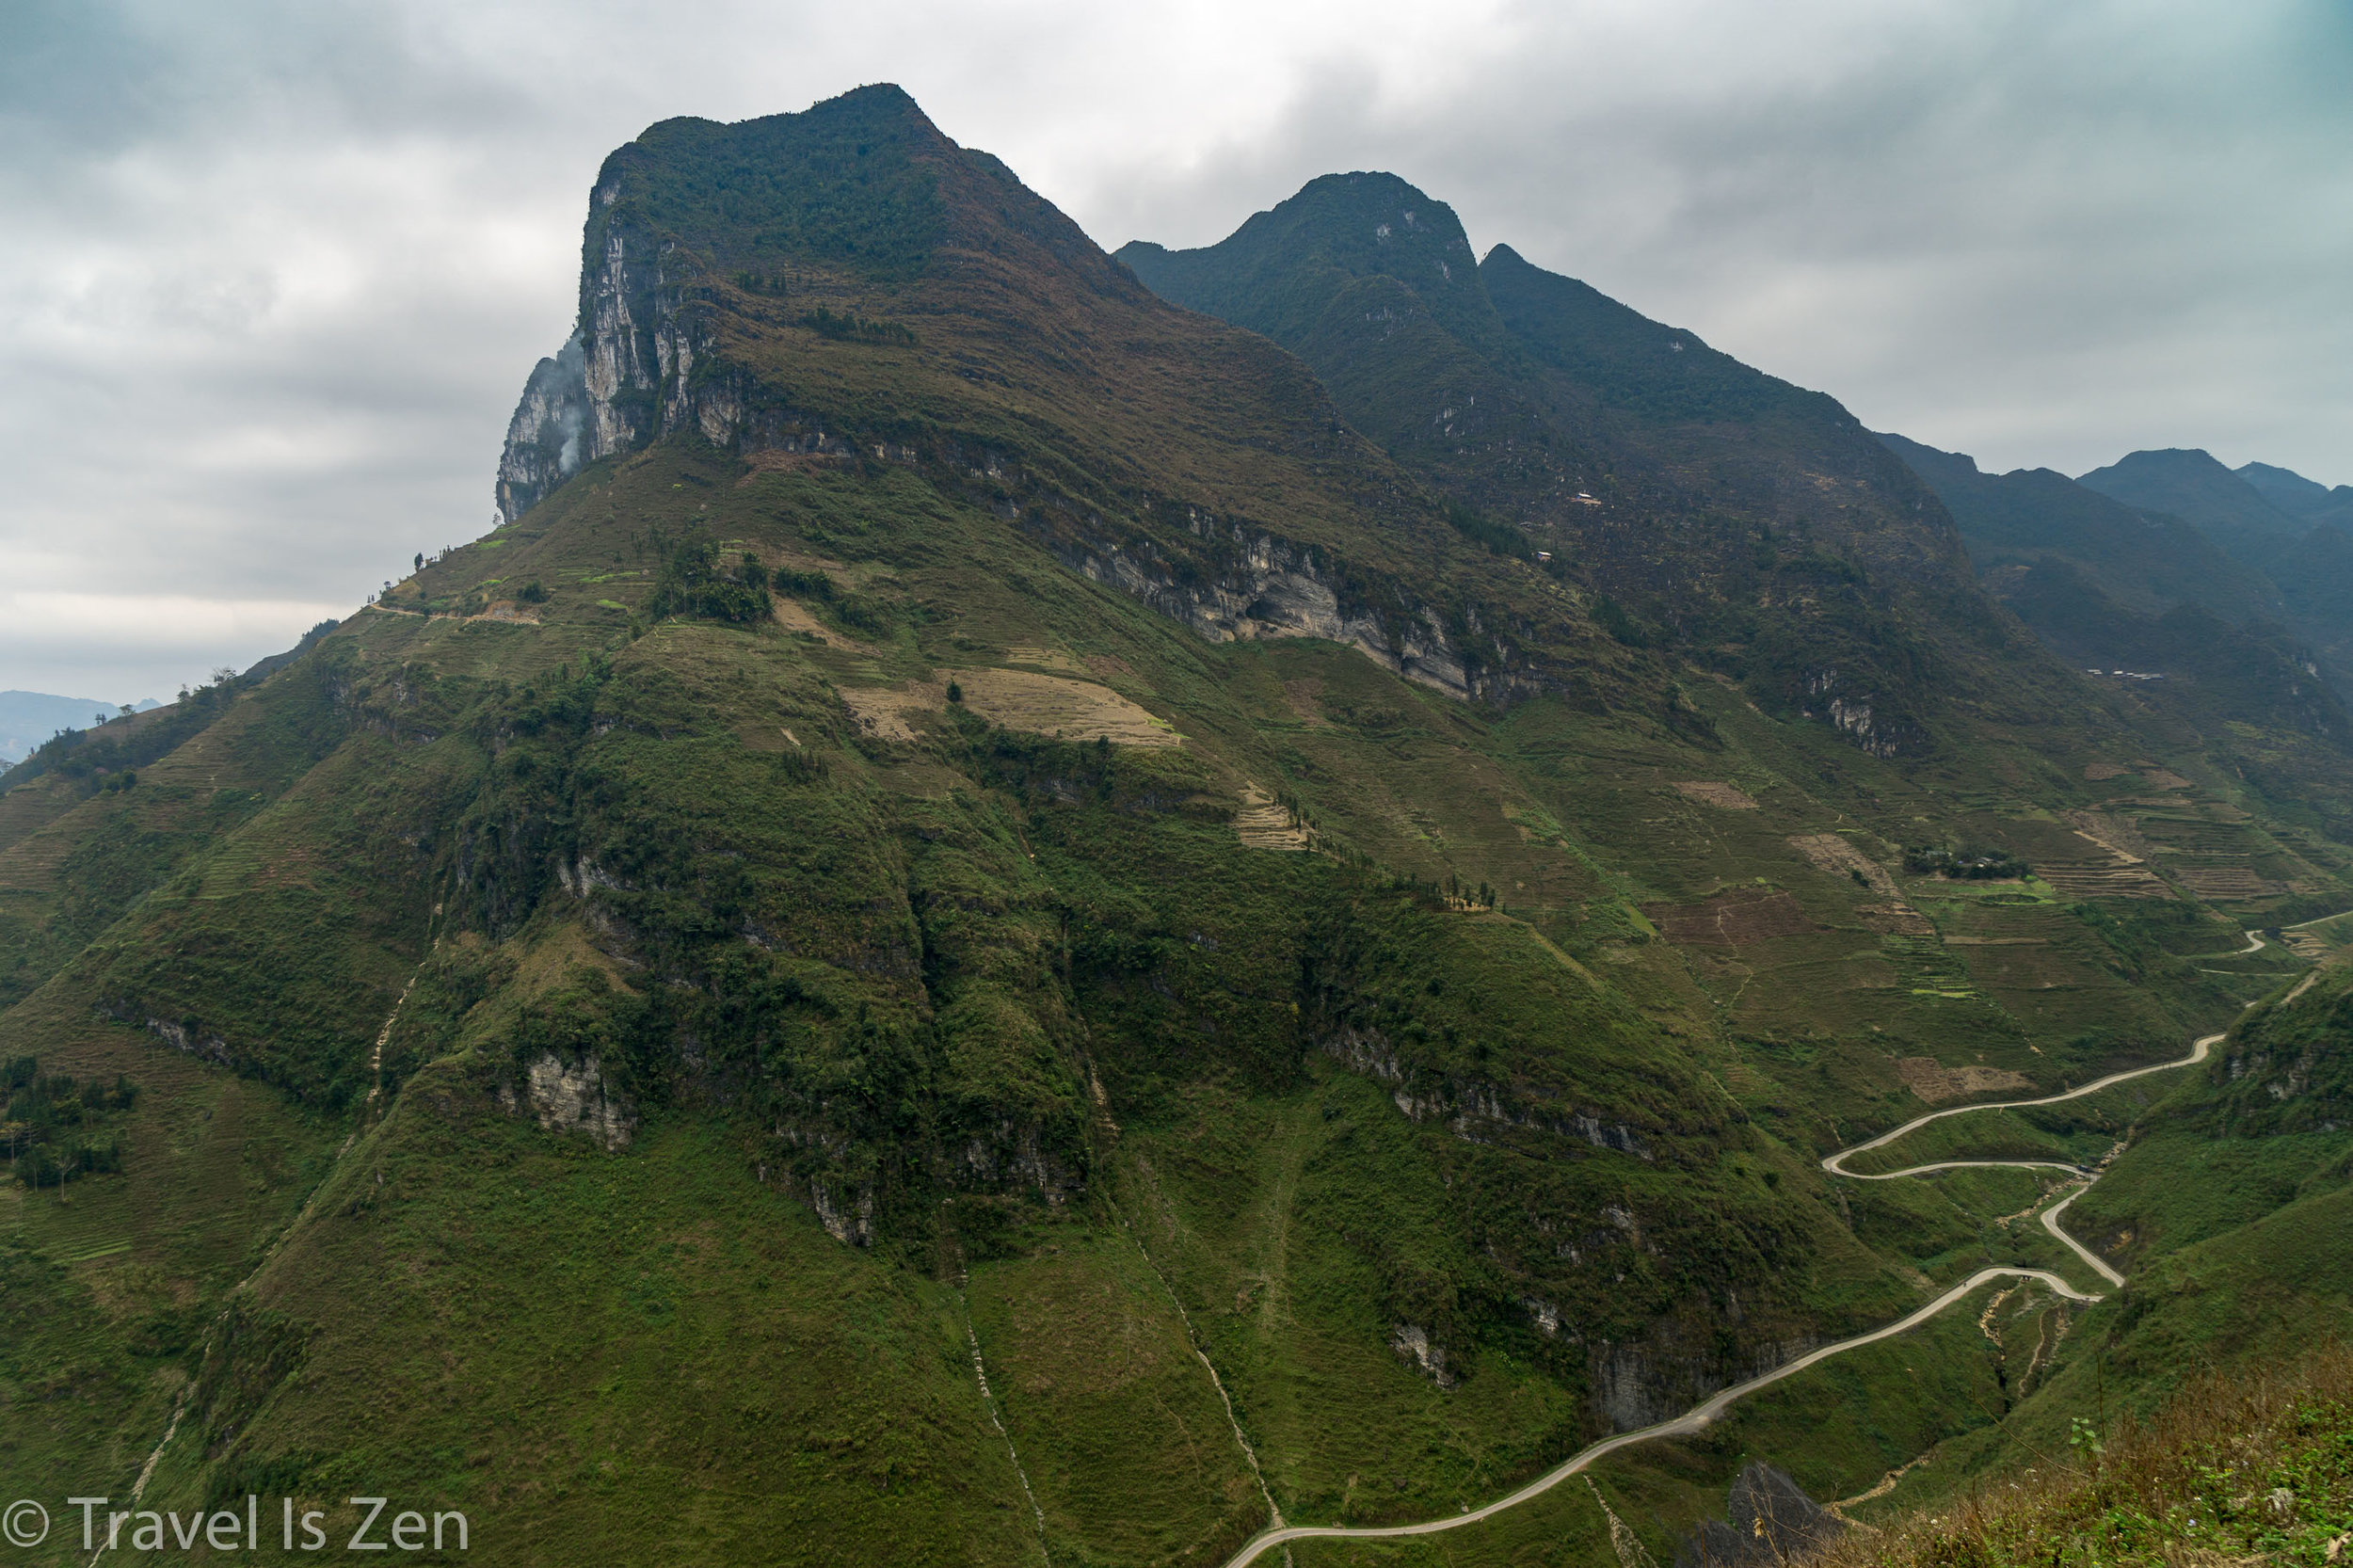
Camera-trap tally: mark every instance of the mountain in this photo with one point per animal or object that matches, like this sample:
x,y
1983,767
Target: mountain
x,y
2304,548
2147,561
2195,487
2298,496
29,718
1003,918
2148,598
1691,494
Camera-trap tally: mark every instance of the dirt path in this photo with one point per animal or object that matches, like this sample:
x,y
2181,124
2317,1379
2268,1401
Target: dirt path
x,y
1701,1413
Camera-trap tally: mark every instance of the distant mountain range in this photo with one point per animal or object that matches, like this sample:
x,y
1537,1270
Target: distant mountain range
x,y
29,718
2169,562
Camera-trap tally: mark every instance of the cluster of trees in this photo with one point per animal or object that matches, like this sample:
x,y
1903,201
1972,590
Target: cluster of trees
x,y
1453,893
47,1134
1970,865
696,579
852,326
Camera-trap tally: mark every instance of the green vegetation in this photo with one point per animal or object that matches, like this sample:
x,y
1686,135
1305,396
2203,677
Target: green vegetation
x,y
1048,857
694,581
1967,864
2246,1468
49,1131
825,324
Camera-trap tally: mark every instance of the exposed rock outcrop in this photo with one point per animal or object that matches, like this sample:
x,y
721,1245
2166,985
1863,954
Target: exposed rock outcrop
x,y
547,440
1471,1108
570,1094
1771,1521
1412,1341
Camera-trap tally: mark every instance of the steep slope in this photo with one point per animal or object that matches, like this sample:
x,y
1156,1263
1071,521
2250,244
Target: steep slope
x,y
979,929
1754,525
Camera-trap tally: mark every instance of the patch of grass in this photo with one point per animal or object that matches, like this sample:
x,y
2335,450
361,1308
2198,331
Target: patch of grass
x,y
2254,1466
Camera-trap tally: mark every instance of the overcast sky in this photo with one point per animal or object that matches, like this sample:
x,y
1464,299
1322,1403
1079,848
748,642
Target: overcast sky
x,y
272,272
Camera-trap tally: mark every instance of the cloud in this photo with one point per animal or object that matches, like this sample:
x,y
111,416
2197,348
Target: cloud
x,y
273,272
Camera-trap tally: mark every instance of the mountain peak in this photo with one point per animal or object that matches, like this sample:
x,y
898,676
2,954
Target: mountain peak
x,y
2194,486
1280,271
832,214
2294,494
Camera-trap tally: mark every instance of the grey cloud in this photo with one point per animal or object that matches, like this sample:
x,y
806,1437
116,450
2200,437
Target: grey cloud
x,y
272,273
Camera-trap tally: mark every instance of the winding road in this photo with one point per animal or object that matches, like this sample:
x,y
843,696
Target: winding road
x,y
1700,1414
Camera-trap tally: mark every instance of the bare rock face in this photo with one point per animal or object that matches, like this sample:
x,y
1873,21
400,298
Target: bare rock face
x,y
1411,1342
622,377
547,440
571,1094
1771,1520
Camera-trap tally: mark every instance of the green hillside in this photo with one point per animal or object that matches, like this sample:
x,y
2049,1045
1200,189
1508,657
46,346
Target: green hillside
x,y
997,925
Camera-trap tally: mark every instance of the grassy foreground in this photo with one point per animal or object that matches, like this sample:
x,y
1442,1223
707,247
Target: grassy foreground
x,y
2256,1466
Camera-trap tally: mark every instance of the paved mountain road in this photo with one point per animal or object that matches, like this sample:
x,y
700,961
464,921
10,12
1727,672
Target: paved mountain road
x,y
1700,1414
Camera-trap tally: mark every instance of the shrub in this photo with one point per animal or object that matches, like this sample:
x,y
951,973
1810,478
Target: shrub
x,y
694,581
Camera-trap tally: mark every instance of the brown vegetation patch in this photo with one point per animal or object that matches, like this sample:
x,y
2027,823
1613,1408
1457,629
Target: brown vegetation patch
x,y
2160,779
1303,696
1049,705
793,616
2113,831
1041,657
2100,772
1731,919
1727,796
1264,822
883,711
783,461
1012,699
1829,853
1935,1082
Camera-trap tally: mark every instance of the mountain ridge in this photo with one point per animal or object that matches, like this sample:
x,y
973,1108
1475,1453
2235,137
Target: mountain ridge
x,y
1700,496
990,912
